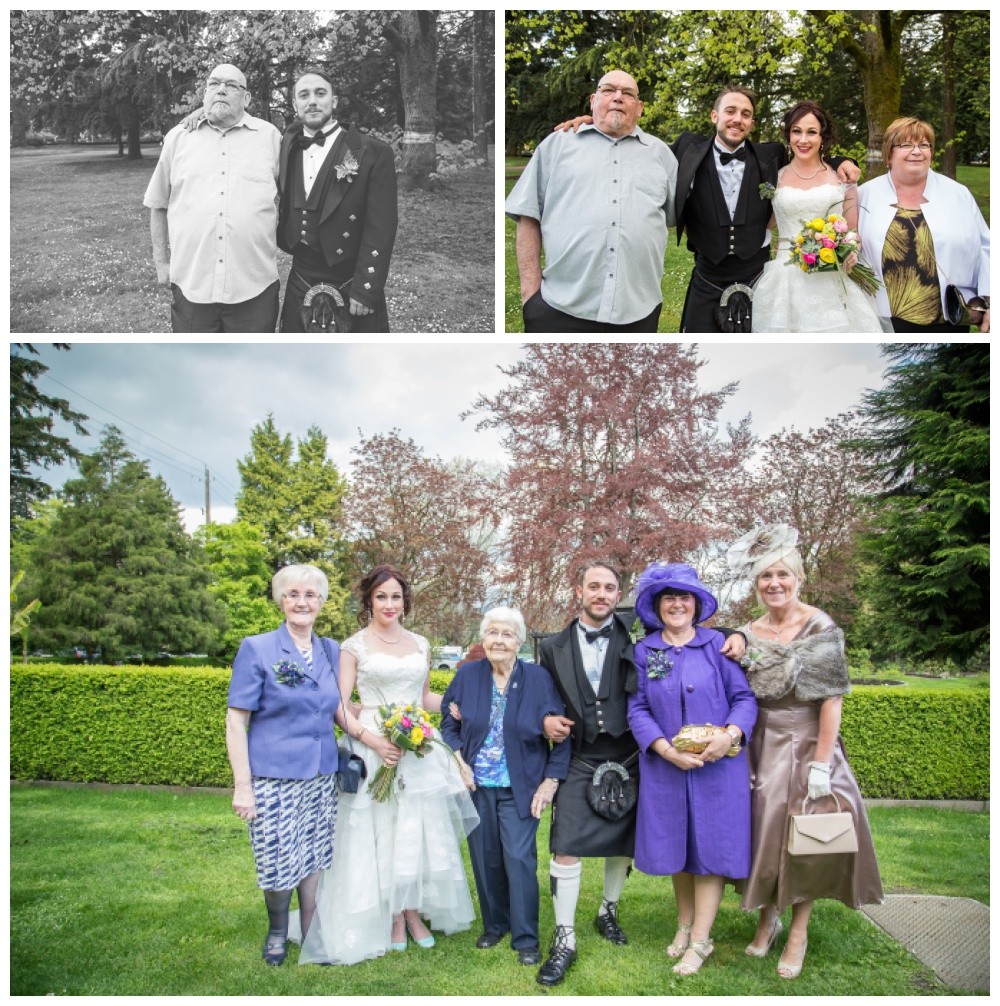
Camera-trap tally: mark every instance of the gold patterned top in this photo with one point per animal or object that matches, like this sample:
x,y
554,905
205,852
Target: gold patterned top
x,y
909,269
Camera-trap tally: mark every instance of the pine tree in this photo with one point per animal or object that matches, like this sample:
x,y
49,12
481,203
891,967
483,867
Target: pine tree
x,y
926,578
114,569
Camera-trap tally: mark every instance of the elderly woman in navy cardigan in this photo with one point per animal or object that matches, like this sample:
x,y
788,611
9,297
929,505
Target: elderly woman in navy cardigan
x,y
493,714
283,699
693,820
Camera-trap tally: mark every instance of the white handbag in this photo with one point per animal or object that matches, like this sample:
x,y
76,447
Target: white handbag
x,y
821,834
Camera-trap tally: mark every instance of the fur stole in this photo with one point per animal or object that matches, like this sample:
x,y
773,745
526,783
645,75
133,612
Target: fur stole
x,y
815,667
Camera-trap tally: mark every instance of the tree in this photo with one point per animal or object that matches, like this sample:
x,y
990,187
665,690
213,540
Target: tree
x,y
926,578
430,519
616,454
114,569
32,420
295,503
814,483
20,618
241,580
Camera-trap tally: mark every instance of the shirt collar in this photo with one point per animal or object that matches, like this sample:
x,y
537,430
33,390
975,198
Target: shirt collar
x,y
330,128
719,151
655,641
636,132
245,120
594,628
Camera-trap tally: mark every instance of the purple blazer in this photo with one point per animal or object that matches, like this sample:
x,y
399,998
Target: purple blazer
x,y
291,727
702,686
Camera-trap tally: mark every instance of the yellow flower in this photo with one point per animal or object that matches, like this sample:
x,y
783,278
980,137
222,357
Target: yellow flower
x,y
417,736
818,224
799,239
827,255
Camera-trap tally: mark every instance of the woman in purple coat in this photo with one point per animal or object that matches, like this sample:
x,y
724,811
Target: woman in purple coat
x,y
693,819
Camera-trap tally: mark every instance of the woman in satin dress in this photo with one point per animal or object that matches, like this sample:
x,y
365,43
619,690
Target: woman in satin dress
x,y
797,667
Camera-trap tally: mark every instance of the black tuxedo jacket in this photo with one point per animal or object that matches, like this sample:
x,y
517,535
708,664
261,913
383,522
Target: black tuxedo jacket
x,y
691,149
560,656
358,218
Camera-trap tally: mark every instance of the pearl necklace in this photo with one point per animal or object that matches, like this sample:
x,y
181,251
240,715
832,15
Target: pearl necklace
x,y
388,642
806,178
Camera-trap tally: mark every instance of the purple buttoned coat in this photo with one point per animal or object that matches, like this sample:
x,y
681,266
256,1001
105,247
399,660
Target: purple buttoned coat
x,y
712,803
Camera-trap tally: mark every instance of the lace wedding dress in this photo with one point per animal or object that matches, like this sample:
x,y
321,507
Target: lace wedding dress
x,y
785,299
403,853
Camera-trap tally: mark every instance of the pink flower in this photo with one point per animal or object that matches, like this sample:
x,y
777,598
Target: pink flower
x,y
406,722
809,258
829,243
840,226
851,238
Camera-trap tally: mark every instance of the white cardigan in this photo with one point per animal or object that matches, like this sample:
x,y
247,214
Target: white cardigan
x,y
961,237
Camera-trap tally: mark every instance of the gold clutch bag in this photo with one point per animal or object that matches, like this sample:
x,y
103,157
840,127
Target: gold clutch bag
x,y
695,738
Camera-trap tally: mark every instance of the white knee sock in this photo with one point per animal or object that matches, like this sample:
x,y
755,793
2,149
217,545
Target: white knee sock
x,y
615,872
566,895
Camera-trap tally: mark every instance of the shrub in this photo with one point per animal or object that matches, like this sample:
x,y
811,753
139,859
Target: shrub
x,y
166,726
147,725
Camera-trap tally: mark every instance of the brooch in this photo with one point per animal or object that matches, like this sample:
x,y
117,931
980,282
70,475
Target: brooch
x,y
288,673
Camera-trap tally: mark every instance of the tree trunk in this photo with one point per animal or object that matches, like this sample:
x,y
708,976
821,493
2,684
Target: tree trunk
x,y
882,77
482,50
413,36
134,136
949,158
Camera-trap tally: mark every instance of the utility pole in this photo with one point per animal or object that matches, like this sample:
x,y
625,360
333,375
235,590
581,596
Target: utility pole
x,y
208,499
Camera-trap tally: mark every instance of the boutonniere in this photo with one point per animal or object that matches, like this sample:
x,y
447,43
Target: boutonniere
x,y
347,168
288,673
767,190
658,665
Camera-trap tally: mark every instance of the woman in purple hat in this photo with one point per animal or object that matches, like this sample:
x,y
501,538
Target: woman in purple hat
x,y
694,809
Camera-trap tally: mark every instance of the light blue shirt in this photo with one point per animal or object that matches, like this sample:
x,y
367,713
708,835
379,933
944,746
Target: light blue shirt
x,y
604,205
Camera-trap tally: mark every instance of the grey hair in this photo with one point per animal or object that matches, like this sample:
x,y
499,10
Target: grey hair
x,y
506,616
310,576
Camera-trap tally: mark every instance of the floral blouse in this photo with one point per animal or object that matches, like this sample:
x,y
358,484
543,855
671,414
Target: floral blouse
x,y
490,766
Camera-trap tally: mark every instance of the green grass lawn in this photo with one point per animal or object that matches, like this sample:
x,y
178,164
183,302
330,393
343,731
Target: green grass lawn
x,y
678,261
81,259
140,892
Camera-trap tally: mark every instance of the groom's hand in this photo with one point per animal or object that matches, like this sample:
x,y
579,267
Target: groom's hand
x,y
359,309
848,172
574,124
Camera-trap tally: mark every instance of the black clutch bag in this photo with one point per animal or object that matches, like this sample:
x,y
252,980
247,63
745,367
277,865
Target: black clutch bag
x,y
351,768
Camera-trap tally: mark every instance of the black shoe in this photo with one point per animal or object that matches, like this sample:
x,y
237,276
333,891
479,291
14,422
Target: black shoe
x,y
488,940
531,956
560,960
607,924
275,951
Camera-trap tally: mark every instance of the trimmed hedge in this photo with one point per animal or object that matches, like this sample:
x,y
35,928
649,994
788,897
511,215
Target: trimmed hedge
x,y
149,725
166,726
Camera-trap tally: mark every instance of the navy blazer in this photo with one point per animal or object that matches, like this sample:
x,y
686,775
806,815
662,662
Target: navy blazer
x,y
291,727
531,696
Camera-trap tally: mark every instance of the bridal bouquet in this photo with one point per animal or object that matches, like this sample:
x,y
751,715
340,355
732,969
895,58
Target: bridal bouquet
x,y
824,243
408,727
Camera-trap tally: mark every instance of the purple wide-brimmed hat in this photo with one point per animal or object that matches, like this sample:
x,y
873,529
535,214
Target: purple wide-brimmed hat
x,y
662,576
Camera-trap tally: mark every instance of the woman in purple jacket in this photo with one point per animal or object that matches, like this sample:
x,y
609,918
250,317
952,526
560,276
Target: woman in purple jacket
x,y
693,818
283,699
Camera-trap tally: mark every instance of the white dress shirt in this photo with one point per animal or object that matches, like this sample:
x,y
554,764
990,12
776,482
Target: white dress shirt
x,y
314,156
593,654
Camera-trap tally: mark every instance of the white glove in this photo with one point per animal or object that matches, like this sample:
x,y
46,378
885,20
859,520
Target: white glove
x,y
819,779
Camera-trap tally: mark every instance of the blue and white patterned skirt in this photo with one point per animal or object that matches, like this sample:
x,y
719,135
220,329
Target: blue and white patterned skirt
x,y
292,834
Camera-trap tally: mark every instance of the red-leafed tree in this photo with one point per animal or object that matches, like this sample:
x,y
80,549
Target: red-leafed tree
x,y
433,520
817,485
615,452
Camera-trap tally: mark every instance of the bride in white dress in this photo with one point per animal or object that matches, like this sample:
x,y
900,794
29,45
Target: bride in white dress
x,y
786,299
396,863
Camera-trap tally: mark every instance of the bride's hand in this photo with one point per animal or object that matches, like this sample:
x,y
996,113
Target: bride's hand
x,y
388,751
851,261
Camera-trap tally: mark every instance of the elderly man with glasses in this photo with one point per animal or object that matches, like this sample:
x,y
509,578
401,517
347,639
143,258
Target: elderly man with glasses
x,y
213,202
599,201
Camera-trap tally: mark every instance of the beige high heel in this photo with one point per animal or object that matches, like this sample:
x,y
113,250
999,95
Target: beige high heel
x,y
753,951
789,971
703,948
677,949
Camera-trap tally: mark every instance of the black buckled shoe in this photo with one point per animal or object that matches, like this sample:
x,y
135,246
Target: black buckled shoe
x,y
488,940
606,924
531,956
275,951
560,959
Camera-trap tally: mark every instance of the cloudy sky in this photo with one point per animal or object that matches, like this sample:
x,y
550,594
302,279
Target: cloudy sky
x,y
184,407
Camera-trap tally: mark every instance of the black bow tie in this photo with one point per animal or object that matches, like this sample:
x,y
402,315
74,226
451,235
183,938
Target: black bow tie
x,y
597,633
305,142
739,155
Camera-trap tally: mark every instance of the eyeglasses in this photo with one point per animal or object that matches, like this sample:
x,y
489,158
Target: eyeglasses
x,y
908,148
684,598
310,596
505,634
229,85
626,92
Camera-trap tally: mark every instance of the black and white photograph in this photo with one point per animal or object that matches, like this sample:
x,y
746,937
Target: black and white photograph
x,y
200,171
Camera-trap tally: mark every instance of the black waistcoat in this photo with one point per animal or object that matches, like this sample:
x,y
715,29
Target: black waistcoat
x,y
302,223
608,709
712,233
